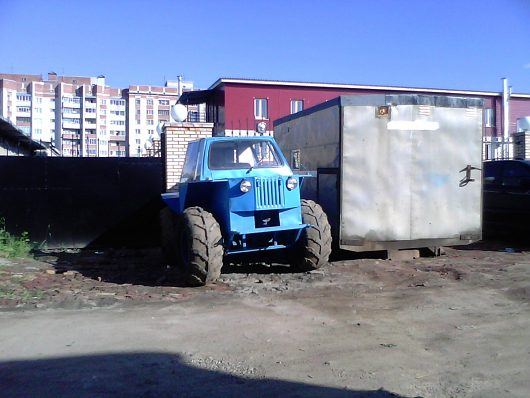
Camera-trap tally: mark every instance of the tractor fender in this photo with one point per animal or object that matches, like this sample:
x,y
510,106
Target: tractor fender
x,y
172,200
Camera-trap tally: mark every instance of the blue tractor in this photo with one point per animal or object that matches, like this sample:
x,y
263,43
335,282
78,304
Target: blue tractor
x,y
238,195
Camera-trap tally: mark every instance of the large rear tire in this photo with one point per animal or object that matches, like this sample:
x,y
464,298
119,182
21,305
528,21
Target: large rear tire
x,y
201,248
314,246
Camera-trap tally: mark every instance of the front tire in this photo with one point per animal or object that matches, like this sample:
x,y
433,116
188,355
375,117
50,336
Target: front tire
x,y
201,249
314,246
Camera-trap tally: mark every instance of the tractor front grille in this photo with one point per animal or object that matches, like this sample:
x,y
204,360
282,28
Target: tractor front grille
x,y
269,193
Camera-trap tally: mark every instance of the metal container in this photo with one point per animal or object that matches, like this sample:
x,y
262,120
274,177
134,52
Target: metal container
x,y
392,171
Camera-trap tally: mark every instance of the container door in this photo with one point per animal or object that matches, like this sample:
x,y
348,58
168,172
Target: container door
x,y
446,163
409,174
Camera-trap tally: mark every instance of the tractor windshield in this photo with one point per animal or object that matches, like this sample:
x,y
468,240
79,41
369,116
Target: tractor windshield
x,y
243,154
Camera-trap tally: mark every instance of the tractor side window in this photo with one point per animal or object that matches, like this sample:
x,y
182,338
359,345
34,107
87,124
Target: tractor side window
x,y
189,171
223,155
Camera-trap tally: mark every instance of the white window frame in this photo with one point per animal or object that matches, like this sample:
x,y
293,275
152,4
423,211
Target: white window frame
x,y
261,108
489,117
297,106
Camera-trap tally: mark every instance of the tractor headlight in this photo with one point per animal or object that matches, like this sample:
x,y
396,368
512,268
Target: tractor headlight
x,y
245,186
292,183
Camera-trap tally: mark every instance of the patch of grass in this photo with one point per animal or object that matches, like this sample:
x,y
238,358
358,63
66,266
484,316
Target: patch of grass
x,y
20,294
14,246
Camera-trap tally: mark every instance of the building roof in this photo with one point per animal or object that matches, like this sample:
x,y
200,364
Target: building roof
x,y
15,135
195,97
224,80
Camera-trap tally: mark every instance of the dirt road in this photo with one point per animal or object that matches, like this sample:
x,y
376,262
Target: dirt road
x,y
107,324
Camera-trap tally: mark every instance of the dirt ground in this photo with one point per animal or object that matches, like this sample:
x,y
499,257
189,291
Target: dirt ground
x,y
116,323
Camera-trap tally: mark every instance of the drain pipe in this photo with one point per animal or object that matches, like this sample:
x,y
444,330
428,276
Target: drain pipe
x,y
505,119
179,86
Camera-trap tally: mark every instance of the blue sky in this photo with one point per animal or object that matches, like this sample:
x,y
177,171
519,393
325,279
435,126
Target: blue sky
x,y
457,44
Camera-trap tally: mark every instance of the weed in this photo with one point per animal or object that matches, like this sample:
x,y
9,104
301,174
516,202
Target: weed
x,y
14,246
17,292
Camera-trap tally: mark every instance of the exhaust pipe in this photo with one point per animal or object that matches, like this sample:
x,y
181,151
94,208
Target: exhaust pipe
x,y
505,119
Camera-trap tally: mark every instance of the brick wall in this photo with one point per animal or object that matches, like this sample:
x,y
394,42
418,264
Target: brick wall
x,y
174,144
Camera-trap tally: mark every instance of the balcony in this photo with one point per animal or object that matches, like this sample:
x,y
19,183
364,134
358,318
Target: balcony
x,y
117,105
71,115
70,138
196,117
118,138
71,102
90,124
23,111
71,105
23,121
24,100
71,124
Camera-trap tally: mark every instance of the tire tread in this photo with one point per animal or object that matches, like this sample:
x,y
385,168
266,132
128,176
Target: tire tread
x,y
314,248
205,249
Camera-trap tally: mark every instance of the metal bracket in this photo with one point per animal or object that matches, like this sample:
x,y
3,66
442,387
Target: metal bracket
x,y
467,178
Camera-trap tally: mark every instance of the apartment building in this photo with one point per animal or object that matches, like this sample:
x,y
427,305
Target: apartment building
x,y
147,107
150,107
82,116
15,101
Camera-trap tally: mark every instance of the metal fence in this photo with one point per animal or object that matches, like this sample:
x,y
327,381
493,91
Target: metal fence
x,y
196,116
497,148
82,202
515,147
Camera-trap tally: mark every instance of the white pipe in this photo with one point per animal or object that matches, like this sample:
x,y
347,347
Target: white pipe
x,y
505,117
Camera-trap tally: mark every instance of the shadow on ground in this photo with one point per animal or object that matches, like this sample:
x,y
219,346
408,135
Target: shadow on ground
x,y
499,243
276,262
145,267
148,375
119,266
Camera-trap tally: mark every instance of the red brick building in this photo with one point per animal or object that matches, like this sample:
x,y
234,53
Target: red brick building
x,y
242,106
